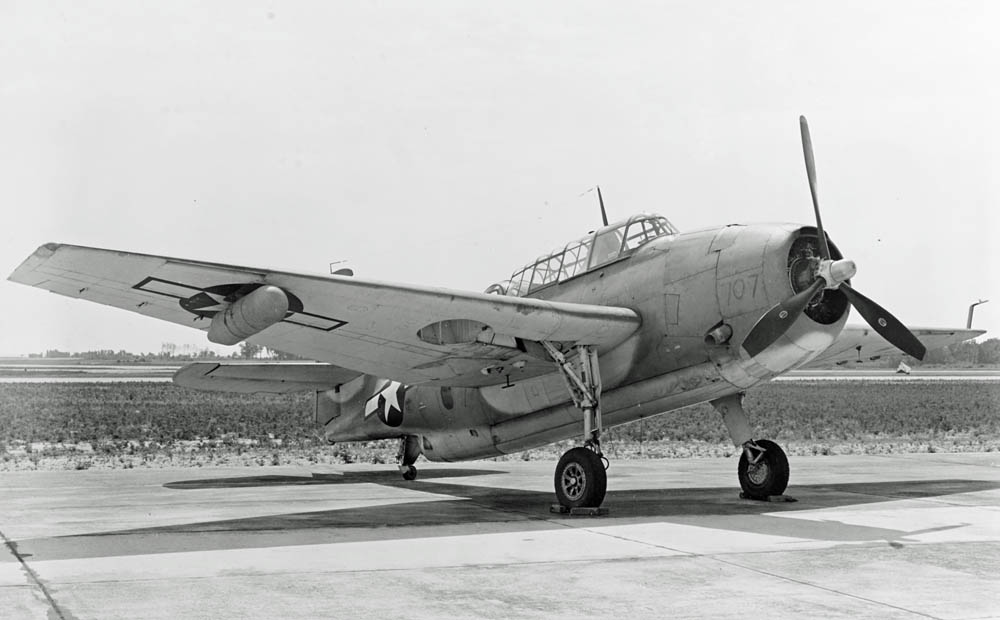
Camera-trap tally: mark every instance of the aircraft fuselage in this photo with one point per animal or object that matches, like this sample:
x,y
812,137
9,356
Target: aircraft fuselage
x,y
698,295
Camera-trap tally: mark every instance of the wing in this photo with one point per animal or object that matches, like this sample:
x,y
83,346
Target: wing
x,y
251,378
408,333
861,343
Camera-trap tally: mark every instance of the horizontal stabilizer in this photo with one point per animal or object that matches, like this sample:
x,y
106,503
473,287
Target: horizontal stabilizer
x,y
273,377
860,343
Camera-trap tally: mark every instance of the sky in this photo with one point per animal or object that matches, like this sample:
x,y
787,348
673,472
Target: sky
x,y
450,143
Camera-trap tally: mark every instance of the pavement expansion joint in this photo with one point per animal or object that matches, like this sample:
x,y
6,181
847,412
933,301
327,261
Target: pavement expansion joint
x,y
817,586
33,577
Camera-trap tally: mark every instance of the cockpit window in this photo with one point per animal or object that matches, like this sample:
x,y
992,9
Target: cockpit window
x,y
643,230
607,245
518,285
575,258
546,271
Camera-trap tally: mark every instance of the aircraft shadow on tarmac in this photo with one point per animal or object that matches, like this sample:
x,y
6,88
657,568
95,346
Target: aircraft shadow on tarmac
x,y
468,509
489,508
387,478
516,505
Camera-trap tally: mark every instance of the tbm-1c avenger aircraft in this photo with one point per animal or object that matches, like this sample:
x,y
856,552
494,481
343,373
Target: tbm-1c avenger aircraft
x,y
632,320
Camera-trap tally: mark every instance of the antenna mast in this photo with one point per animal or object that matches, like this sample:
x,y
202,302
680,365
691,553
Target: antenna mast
x,y
600,198
968,322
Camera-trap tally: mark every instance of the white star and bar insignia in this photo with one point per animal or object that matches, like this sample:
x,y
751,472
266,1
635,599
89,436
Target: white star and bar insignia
x,y
387,403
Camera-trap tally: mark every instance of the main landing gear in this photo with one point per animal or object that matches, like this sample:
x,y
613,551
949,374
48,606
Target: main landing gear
x,y
409,450
581,478
763,468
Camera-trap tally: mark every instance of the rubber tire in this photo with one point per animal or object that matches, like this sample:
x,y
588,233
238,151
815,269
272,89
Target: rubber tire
x,y
586,482
410,473
775,479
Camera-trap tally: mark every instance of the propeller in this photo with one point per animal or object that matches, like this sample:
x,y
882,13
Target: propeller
x,y
831,274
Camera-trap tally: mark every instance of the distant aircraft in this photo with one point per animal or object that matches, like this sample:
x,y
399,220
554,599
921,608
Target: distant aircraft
x,y
633,320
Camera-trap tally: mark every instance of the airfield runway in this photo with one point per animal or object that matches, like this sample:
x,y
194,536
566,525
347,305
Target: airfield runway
x,y
908,536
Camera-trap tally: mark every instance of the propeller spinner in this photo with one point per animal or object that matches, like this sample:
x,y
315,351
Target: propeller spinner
x,y
828,274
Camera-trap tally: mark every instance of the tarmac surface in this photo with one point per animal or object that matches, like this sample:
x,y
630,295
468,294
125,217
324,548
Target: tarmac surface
x,y
907,536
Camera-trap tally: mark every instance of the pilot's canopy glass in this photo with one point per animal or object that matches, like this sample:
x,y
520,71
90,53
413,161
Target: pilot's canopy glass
x,y
601,247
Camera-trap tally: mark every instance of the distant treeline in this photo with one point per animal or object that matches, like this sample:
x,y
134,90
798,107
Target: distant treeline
x,y
169,352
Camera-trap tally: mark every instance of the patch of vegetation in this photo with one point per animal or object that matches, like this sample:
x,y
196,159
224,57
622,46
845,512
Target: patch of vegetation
x,y
124,425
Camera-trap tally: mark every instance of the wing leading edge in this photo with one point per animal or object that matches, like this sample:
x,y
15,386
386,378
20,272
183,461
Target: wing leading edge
x,y
358,324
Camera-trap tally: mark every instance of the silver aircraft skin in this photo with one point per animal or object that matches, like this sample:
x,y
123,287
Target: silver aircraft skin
x,y
633,320
682,285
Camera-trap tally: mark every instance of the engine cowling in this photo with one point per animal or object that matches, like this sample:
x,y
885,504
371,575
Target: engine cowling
x,y
249,315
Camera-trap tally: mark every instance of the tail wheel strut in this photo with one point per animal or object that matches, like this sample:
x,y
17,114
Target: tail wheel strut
x,y
410,449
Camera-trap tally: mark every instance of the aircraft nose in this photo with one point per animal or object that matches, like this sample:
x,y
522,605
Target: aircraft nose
x,y
760,266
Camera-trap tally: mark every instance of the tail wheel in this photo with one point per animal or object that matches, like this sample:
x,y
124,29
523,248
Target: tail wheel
x,y
768,475
581,480
409,472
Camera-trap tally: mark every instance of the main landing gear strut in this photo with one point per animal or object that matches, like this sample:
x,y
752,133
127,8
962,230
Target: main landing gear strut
x,y
763,468
581,478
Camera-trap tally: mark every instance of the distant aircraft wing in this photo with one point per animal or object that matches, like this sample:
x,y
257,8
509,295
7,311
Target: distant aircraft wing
x,y
860,343
270,377
362,325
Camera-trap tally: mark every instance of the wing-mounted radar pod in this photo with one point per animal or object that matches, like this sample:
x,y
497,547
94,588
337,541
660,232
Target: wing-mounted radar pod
x,y
249,315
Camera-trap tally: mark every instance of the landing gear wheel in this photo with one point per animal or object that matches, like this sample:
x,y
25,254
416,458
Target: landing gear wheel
x,y
581,480
409,472
768,475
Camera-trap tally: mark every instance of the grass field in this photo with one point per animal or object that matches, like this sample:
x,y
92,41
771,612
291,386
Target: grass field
x,y
125,425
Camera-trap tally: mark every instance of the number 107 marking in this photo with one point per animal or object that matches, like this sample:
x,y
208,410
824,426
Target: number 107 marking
x,y
742,286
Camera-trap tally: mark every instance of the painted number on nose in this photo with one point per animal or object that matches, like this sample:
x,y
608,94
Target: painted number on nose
x,y
743,286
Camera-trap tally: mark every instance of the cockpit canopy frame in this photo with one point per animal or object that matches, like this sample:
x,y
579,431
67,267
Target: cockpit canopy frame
x,y
596,249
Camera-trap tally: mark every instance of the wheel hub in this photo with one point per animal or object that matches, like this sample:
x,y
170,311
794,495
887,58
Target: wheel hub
x,y
574,481
758,472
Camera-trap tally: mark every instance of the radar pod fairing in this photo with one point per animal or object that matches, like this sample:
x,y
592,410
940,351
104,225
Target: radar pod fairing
x,y
248,315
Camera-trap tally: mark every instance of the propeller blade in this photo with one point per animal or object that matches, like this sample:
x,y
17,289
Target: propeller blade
x,y
807,150
778,319
885,324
